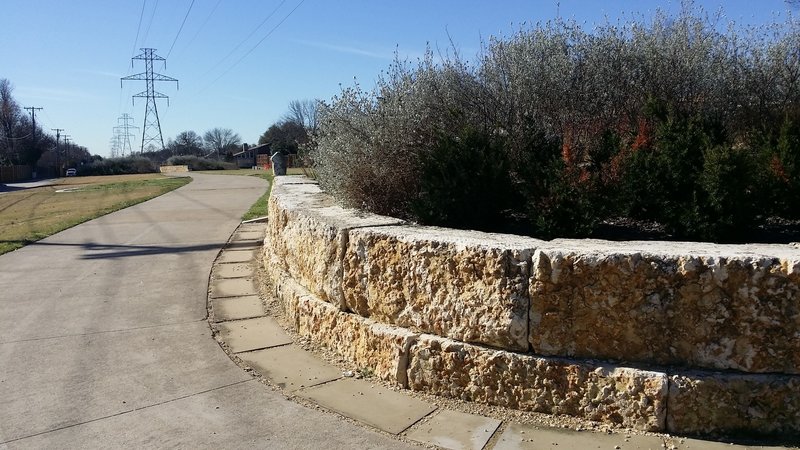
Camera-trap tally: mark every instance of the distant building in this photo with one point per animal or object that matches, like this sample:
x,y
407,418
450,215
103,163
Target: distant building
x,y
254,156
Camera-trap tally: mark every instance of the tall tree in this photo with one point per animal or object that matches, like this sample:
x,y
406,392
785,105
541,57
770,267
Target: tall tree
x,y
9,119
303,113
221,140
285,137
188,143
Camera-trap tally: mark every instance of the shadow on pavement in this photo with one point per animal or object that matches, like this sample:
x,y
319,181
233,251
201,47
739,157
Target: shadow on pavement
x,y
112,251
7,188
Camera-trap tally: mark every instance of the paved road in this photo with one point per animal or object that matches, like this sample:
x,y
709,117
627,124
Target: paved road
x,y
10,187
104,340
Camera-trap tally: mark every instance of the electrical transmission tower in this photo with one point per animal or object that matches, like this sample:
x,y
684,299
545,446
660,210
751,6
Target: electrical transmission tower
x,y
125,134
116,143
151,131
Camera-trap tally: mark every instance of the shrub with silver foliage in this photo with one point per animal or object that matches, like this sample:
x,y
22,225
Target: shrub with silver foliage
x,y
566,83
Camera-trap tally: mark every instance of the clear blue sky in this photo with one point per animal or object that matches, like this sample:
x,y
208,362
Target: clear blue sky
x,y
68,56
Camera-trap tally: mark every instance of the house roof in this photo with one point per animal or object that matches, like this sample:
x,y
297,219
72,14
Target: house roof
x,y
263,149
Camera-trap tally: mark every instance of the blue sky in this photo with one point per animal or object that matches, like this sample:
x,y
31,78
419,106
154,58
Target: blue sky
x,y
68,56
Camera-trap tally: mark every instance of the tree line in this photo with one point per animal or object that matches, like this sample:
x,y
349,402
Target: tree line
x,y
291,134
22,143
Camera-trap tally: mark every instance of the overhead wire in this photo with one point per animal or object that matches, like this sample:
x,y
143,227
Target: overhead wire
x,y
138,28
16,138
203,25
180,29
257,44
50,121
245,39
125,90
133,53
150,23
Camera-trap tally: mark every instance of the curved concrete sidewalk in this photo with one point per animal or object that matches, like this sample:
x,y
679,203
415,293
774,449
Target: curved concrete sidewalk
x,y
105,341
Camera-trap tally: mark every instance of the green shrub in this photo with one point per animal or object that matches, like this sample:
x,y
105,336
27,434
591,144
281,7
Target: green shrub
x,y
119,166
784,170
728,193
571,206
199,163
464,183
660,181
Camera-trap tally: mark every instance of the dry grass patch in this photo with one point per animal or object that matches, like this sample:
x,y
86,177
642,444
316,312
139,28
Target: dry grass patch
x,y
32,214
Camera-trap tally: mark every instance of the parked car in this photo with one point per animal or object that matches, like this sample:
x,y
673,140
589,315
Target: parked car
x,y
72,172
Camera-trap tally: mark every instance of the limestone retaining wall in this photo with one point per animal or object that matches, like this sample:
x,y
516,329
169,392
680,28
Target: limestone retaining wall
x,y
173,169
661,336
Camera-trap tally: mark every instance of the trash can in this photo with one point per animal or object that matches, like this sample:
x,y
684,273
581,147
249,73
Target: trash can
x,y
278,163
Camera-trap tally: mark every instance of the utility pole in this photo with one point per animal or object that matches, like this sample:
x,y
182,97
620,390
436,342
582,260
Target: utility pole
x,y
151,131
33,110
125,134
66,147
58,154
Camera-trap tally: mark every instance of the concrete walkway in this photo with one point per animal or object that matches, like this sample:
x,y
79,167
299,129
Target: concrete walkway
x,y
104,341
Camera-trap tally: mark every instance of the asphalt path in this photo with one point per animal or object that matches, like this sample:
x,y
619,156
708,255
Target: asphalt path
x,y
104,341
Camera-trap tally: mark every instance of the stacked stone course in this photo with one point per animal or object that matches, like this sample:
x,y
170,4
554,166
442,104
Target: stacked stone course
x,y
522,323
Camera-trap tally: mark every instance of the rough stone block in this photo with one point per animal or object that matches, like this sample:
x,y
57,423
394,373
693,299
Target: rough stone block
x,y
624,396
289,293
692,304
465,285
307,231
378,347
748,404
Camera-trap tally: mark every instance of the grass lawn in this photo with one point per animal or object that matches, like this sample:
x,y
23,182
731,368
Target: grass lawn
x,y
259,208
31,214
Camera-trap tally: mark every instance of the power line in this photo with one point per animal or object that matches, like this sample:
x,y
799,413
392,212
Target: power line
x,y
133,52
203,25
150,23
7,138
180,29
246,38
257,43
138,28
50,119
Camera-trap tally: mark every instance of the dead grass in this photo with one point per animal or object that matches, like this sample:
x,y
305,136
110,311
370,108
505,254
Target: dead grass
x,y
32,214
